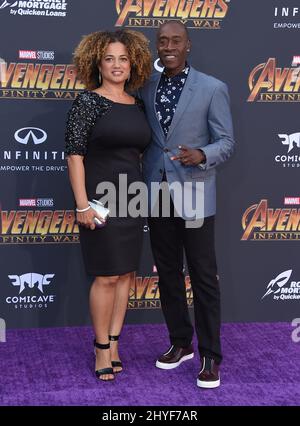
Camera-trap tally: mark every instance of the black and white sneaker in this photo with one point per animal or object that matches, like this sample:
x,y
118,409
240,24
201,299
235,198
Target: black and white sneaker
x,y
174,357
209,375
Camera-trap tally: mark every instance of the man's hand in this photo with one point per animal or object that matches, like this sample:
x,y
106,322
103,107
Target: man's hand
x,y
189,157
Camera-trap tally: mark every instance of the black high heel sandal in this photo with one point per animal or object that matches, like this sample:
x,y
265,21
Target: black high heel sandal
x,y
116,363
103,371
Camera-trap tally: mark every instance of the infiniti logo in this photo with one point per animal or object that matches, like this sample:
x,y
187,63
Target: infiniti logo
x,y
23,135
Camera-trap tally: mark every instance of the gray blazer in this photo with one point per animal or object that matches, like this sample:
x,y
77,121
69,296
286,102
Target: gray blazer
x,y
202,120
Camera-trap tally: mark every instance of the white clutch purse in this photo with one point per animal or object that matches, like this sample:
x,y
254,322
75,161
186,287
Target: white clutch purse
x,y
101,210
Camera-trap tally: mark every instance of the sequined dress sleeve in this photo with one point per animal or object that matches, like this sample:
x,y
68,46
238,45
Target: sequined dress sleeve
x,y
81,119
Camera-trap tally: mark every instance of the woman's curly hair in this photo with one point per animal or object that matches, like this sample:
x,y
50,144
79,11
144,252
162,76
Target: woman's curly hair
x,y
88,54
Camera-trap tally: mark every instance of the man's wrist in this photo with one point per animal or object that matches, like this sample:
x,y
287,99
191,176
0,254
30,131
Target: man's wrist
x,y
202,163
204,157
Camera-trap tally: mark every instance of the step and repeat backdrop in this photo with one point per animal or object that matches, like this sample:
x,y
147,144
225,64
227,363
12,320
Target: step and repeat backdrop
x,y
253,46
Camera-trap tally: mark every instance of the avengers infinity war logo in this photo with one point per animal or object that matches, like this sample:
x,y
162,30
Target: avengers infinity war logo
x,y
269,83
38,227
261,223
144,294
206,14
38,81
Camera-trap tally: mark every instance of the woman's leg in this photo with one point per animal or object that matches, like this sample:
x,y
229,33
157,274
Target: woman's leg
x,y
119,311
102,297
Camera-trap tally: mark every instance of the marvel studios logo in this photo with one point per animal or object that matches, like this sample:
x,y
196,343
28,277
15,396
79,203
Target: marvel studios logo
x,y
288,201
296,61
36,202
41,55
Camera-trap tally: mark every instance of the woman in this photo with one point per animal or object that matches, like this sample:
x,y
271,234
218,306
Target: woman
x,y
106,133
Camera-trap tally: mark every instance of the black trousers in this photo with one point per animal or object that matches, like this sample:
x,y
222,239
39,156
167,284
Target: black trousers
x,y
169,238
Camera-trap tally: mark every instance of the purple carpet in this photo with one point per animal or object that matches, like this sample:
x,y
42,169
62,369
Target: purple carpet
x,y
55,367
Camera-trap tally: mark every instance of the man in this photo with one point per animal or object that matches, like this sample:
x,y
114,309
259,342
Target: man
x,y
192,133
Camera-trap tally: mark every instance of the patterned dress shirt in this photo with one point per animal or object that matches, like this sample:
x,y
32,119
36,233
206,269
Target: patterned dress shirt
x,y
167,97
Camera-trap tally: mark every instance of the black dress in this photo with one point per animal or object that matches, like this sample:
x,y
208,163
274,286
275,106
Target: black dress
x,y
111,136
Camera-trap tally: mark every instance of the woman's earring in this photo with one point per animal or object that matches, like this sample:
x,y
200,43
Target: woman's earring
x,y
128,78
100,78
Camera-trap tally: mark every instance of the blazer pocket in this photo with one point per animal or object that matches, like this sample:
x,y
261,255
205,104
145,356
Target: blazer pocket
x,y
197,173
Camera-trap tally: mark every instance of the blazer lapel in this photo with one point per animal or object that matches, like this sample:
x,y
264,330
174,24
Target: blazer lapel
x,y
151,102
184,100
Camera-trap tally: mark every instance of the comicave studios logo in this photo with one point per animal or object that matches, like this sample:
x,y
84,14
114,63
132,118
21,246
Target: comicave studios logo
x,y
289,17
197,14
282,288
54,8
31,157
269,83
291,142
31,283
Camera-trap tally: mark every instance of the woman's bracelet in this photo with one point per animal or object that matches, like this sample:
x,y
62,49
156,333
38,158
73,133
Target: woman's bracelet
x,y
83,210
